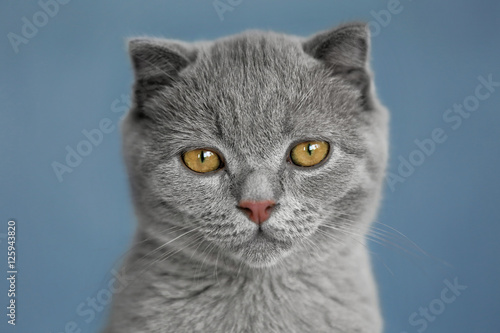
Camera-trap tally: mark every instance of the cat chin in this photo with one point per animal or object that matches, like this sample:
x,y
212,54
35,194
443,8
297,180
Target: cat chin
x,y
263,251
265,261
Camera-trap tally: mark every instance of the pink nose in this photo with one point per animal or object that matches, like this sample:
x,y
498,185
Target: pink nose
x,y
258,211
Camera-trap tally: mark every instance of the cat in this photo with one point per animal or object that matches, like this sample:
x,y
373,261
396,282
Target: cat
x,y
254,161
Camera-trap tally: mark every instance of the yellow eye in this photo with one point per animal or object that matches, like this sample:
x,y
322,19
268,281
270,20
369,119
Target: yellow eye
x,y
309,153
202,160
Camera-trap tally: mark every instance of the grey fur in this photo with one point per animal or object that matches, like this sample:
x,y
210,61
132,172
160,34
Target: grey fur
x,y
198,263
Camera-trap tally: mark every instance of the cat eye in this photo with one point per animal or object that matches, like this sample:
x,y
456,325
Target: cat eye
x,y
202,160
309,153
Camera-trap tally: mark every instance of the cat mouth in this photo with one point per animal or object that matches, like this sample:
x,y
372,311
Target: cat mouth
x,y
262,249
261,235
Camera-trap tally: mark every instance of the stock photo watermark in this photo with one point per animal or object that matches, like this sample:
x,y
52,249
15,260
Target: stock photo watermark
x,y
11,271
223,6
88,310
383,17
425,315
92,139
454,118
31,25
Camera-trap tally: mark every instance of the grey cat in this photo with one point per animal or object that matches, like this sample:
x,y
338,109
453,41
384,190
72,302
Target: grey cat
x,y
255,161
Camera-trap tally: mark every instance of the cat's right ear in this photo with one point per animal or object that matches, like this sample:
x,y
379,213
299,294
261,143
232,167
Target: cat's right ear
x,y
157,63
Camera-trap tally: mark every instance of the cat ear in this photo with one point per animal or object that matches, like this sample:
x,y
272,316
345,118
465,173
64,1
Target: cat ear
x,y
345,52
347,45
157,63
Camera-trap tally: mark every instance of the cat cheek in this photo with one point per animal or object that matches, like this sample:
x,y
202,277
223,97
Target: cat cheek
x,y
182,187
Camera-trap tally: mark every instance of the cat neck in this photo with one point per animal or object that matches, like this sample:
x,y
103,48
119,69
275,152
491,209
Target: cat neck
x,y
304,292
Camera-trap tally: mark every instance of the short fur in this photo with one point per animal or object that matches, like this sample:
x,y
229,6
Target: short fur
x,y
198,263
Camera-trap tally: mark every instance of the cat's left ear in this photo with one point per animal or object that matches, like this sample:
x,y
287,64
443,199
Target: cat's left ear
x,y
157,63
345,52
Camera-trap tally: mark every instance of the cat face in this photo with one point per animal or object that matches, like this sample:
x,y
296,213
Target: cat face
x,y
259,143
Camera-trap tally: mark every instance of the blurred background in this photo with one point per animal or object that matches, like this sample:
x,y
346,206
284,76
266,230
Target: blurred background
x,y
65,72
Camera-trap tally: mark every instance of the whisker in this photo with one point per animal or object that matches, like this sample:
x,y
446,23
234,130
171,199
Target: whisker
x,y
386,243
216,264
168,254
169,242
364,245
374,238
383,235
210,247
135,244
400,237
161,258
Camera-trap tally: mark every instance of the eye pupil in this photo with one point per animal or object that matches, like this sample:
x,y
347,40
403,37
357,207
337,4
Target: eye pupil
x,y
309,153
200,160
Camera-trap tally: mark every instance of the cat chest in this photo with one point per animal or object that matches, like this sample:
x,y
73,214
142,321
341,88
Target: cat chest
x,y
268,307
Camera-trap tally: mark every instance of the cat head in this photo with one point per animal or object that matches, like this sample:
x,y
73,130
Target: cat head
x,y
259,143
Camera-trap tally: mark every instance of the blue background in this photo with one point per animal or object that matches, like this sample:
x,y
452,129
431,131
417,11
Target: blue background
x,y
73,72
